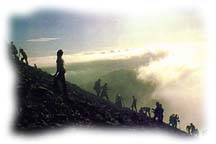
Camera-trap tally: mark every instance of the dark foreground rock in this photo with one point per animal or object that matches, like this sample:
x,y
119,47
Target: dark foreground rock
x,y
40,108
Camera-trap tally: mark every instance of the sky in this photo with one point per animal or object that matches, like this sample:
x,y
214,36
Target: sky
x,y
43,33
84,37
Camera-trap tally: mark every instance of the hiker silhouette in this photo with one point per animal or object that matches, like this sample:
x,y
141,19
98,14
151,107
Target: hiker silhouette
x,y
97,87
13,51
35,66
24,56
104,92
173,120
118,100
60,74
133,106
158,112
192,130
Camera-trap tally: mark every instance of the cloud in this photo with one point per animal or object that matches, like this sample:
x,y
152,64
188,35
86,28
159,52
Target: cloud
x,y
179,81
42,39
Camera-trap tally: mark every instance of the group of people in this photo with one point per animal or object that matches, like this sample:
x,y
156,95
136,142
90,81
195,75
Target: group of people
x,y
158,112
16,55
101,91
59,77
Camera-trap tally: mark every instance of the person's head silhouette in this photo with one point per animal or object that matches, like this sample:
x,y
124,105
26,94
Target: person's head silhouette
x,y
59,53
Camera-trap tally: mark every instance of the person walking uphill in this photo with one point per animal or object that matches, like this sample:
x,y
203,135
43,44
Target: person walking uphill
x,y
97,87
60,74
24,56
118,100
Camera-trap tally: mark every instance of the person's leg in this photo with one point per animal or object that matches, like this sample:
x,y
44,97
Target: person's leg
x,y
63,82
133,107
102,94
26,61
107,97
55,85
64,85
161,118
22,59
98,93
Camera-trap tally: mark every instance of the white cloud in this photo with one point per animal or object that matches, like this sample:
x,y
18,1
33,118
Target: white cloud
x,y
179,78
42,39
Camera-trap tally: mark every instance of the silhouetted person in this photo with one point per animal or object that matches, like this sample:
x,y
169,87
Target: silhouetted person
x,y
97,87
35,66
118,100
104,92
14,51
134,102
193,130
24,56
60,73
188,129
160,113
173,120
156,111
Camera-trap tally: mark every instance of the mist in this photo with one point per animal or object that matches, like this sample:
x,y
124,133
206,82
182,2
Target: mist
x,y
179,79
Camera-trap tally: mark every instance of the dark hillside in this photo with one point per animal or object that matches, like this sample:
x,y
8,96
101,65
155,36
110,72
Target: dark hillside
x,y
39,108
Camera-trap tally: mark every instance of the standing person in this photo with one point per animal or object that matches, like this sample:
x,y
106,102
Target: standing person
x,y
60,72
24,56
104,92
97,87
133,106
160,113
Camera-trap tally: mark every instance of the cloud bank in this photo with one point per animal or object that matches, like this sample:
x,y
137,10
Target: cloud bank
x,y
179,80
143,54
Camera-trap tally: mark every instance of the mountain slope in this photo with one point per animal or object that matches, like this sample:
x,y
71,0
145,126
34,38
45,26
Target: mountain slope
x,y
39,108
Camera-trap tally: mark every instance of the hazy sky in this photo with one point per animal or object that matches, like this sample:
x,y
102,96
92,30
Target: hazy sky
x,y
42,33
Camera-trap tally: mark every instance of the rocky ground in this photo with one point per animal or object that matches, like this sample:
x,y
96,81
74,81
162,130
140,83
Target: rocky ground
x,y
39,108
